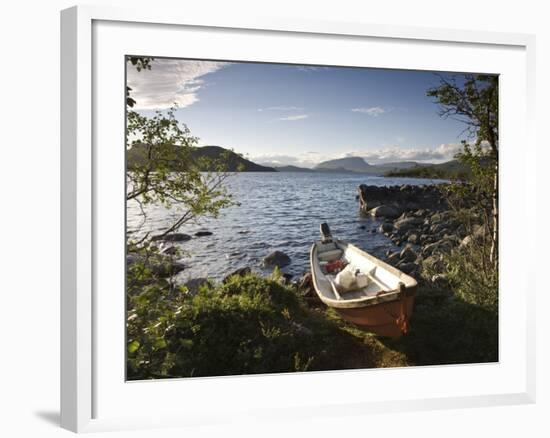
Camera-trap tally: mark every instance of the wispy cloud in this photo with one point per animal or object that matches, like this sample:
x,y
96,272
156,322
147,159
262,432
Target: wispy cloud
x,y
373,111
293,118
170,81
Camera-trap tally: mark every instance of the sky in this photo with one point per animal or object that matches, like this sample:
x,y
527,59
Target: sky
x,y
281,114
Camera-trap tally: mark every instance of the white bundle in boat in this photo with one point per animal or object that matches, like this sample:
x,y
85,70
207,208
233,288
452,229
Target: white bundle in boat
x,y
351,278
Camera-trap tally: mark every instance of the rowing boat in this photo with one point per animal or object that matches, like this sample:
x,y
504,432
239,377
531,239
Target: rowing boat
x,y
382,306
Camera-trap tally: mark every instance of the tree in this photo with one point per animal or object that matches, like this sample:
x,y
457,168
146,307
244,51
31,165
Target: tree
x,y
166,174
473,100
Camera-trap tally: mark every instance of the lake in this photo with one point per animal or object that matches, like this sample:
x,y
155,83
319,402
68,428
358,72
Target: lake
x,y
277,211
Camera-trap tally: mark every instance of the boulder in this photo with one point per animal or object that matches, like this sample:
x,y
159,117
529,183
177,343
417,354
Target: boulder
x,y
413,238
305,282
408,254
410,268
173,237
385,211
241,272
195,284
170,250
386,227
393,258
277,258
407,223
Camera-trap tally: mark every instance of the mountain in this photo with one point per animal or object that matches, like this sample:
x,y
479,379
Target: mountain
x,y
350,164
400,165
290,168
234,161
201,157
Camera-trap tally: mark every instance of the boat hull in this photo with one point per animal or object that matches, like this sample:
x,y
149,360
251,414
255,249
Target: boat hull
x,y
382,319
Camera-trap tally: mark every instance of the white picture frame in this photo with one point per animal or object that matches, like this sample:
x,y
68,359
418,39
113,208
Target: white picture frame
x,y
85,378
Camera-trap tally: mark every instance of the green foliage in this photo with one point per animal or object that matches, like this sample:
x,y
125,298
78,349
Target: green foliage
x,y
473,101
246,325
166,174
459,173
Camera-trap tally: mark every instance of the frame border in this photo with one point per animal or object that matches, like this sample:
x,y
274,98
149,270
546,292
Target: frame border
x,y
77,197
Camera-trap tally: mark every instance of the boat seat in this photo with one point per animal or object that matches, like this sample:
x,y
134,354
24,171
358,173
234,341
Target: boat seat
x,y
330,255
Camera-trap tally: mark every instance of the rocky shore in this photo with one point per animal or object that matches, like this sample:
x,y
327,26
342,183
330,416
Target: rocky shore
x,y
419,222
417,219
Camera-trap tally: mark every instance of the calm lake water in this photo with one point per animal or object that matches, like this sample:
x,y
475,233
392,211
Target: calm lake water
x,y
277,211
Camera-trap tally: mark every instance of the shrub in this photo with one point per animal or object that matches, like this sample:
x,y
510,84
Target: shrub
x,y
246,325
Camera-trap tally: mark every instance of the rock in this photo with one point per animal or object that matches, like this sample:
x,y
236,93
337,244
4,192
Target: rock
x,y
408,268
408,254
286,278
439,278
170,250
386,227
413,238
241,272
439,247
385,211
305,282
174,237
277,258
393,258
195,284
407,223
203,233
167,268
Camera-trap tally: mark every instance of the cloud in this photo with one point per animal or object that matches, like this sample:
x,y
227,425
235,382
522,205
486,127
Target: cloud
x,y
443,152
305,159
374,111
293,118
281,108
169,81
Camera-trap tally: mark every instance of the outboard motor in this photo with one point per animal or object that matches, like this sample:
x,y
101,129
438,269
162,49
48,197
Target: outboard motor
x,y
326,237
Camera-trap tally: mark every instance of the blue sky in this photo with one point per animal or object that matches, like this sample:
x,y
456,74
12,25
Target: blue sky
x,y
286,114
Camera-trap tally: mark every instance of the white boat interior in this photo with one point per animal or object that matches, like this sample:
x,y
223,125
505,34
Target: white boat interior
x,y
384,280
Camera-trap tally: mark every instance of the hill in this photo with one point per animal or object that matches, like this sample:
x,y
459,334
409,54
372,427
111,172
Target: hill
x,y
202,157
350,164
453,169
290,168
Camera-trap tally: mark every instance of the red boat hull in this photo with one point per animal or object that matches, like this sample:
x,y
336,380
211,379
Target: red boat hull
x,y
389,319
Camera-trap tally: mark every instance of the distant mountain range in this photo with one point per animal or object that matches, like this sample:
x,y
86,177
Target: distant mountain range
x,y
356,165
200,156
